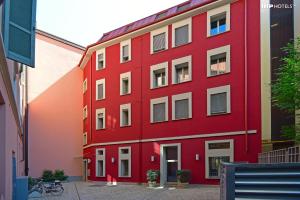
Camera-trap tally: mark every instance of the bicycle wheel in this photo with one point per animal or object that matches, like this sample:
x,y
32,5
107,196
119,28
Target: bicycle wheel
x,y
58,190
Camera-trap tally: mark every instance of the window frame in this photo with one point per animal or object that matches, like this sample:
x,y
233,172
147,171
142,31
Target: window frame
x,y
178,61
124,157
179,24
100,51
156,67
217,90
123,76
100,158
217,51
98,111
84,86
217,11
157,32
99,82
217,153
85,112
122,44
123,107
158,101
182,96
84,138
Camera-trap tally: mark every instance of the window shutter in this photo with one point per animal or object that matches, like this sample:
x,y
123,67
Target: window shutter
x,y
182,109
19,30
218,103
182,35
159,112
159,42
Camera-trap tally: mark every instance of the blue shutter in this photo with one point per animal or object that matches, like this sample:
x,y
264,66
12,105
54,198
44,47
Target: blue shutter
x,y
19,30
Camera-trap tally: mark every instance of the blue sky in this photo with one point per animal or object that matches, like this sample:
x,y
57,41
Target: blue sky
x,y
84,21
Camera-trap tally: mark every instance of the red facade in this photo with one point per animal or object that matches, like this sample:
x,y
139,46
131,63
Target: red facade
x,y
191,133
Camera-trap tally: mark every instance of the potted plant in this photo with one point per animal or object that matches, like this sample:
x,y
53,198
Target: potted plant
x,y
183,178
152,176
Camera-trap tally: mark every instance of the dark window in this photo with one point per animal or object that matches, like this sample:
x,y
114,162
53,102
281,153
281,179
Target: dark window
x,y
218,24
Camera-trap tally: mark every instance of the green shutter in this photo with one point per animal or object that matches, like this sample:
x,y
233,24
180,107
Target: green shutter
x,y
19,30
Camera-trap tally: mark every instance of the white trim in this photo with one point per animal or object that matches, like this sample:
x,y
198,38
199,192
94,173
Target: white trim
x,y
98,82
216,153
216,11
100,158
85,112
157,101
104,58
124,43
207,135
124,76
217,90
181,23
149,28
178,61
159,66
98,111
124,157
84,138
163,177
157,32
182,96
125,107
84,85
216,51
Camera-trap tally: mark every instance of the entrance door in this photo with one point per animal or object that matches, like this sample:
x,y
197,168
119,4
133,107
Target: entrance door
x,y
172,163
85,170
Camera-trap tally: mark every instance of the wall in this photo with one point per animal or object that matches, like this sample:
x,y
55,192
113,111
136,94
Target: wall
x,y
55,102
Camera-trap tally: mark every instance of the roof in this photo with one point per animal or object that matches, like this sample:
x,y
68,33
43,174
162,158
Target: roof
x,y
183,7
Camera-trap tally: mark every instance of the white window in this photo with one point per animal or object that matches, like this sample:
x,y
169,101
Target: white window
x,y
125,51
124,161
182,32
85,138
125,115
125,83
100,59
218,20
100,89
100,118
159,110
216,152
159,75
159,40
100,162
182,106
85,112
84,86
182,70
218,100
218,61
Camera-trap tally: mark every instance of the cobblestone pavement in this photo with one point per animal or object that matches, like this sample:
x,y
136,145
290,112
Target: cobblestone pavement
x,y
98,191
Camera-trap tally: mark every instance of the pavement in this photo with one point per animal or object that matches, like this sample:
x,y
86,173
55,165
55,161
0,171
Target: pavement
x,y
101,191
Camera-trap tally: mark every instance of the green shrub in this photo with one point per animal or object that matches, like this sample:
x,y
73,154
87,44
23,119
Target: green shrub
x,y
47,176
60,175
152,175
183,176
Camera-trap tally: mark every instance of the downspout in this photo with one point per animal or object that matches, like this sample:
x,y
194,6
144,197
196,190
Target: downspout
x,y
91,99
246,78
141,112
26,136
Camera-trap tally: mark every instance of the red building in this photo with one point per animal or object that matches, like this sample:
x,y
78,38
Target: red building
x,y
177,90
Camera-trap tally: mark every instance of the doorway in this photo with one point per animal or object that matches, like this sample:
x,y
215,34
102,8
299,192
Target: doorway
x,y
85,170
170,162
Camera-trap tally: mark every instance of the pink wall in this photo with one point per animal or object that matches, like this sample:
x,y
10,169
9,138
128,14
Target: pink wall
x,y
55,125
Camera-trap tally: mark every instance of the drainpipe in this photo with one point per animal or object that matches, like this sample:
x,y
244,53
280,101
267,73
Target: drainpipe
x,y
91,98
246,78
141,112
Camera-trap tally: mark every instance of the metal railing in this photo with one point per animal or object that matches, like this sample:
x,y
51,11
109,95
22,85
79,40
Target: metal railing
x,y
288,155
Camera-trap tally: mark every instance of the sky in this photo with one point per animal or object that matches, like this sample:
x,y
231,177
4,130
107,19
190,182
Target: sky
x,y
84,21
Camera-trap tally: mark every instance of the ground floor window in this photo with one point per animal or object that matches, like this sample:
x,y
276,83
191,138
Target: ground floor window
x,y
124,162
216,152
100,162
